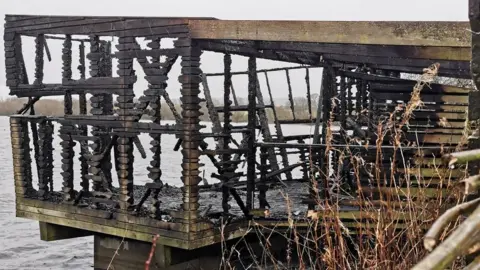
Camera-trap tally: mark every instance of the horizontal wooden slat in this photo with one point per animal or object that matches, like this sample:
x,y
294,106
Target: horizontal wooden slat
x,y
432,172
425,97
408,88
411,192
423,138
382,33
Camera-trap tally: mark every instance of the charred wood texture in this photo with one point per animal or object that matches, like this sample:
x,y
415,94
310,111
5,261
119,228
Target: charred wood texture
x,y
21,156
45,158
190,80
67,144
252,104
361,85
67,58
124,143
39,49
228,168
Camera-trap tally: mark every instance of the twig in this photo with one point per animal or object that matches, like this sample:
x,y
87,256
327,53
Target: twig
x,y
433,235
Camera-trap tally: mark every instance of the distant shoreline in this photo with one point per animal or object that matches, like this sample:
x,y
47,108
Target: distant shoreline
x,y
55,107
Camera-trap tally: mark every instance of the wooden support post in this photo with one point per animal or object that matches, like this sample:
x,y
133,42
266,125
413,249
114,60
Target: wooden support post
x,y
45,158
106,71
39,49
252,104
124,143
67,152
83,129
67,58
228,168
21,156
343,104
190,80
95,57
54,232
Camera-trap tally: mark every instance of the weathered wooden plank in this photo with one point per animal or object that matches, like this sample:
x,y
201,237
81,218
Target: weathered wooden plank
x,y
418,52
423,138
425,97
460,65
35,23
106,29
375,33
372,215
408,87
175,230
56,27
432,172
54,232
126,232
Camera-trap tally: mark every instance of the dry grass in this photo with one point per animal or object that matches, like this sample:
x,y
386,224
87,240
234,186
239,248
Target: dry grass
x,y
391,234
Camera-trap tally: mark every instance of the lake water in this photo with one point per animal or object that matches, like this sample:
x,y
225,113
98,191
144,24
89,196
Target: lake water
x,y
21,247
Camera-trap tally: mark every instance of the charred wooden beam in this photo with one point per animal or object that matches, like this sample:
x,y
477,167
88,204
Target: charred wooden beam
x,y
300,58
252,102
190,79
39,49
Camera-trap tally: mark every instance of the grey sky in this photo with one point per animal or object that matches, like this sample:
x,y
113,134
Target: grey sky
x,y
349,10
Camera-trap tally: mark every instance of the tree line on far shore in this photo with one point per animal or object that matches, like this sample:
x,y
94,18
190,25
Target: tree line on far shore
x,y
55,107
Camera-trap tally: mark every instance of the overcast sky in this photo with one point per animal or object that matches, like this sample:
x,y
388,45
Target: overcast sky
x,y
321,10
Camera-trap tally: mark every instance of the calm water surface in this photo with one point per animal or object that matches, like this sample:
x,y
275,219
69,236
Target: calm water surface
x,y
21,247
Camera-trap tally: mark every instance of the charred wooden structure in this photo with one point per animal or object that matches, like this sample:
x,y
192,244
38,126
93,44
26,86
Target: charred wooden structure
x,y
362,84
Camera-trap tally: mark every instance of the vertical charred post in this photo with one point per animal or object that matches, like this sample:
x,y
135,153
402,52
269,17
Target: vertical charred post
x,y
252,112
343,104
82,67
309,96
83,129
290,94
358,96
226,157
227,115
156,89
45,158
105,70
96,100
124,143
324,157
21,156
67,58
350,83
39,59
262,186
66,130
190,79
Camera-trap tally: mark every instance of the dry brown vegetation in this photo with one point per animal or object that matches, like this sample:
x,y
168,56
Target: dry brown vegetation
x,y
387,231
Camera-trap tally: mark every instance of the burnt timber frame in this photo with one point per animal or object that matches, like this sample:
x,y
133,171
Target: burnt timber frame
x,y
367,55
